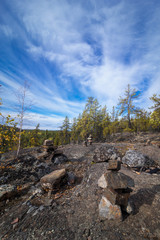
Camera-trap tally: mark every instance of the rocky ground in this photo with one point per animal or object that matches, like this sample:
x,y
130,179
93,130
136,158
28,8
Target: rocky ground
x,y
72,211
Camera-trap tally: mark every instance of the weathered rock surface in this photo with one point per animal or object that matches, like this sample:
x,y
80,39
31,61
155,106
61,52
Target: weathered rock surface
x,y
73,211
118,180
59,159
136,159
117,198
109,211
50,180
105,153
114,165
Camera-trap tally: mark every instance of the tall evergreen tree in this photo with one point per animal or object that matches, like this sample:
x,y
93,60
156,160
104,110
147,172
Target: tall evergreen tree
x,y
65,128
156,101
74,133
126,106
35,136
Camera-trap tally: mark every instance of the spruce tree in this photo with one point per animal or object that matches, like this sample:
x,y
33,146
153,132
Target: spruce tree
x,y
126,106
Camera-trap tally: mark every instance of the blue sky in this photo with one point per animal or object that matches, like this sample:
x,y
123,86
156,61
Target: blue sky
x,y
69,50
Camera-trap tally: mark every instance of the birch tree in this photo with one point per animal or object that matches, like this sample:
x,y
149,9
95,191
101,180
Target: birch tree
x,y
23,105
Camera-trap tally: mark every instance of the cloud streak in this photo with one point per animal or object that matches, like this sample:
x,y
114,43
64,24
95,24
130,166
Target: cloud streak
x,y
70,50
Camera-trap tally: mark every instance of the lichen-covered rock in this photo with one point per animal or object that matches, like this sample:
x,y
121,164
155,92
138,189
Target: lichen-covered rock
x,y
109,211
136,159
105,153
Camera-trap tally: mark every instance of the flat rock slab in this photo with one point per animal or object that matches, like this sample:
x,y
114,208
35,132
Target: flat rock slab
x,y
53,178
109,211
118,180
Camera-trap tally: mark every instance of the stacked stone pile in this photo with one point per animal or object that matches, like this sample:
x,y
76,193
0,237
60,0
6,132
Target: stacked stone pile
x,y
48,146
117,188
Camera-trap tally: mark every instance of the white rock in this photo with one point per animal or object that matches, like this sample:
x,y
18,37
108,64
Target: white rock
x,y
102,182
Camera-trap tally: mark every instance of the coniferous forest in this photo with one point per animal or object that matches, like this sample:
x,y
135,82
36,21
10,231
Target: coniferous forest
x,y
95,119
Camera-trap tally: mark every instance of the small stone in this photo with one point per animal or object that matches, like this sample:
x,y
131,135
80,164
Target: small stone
x,y
15,225
71,178
30,210
35,213
102,182
129,208
78,194
41,208
28,203
114,165
48,202
15,221
114,156
109,211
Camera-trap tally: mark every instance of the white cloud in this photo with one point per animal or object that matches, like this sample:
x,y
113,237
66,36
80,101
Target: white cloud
x,y
51,122
98,49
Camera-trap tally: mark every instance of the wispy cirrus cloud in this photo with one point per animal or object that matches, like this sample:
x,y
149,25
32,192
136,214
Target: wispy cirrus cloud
x,y
71,50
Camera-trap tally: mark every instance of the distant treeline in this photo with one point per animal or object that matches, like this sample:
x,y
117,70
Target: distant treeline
x,y
95,120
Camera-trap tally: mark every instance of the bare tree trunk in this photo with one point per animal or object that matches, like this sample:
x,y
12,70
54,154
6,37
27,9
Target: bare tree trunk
x,y
19,139
22,108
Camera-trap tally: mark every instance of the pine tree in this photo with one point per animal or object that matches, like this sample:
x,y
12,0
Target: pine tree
x,y
156,101
65,128
155,115
126,104
74,132
35,136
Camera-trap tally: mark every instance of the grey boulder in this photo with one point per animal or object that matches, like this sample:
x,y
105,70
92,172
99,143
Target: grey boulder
x,y
136,159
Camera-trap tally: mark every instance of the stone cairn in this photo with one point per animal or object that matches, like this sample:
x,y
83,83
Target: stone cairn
x,y
90,139
117,188
48,146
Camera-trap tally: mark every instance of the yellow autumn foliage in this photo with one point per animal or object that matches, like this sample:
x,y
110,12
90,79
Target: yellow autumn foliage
x,y
8,134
